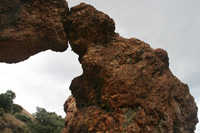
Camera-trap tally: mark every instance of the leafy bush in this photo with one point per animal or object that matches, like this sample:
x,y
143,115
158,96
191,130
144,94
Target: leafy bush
x,y
17,108
22,129
42,129
23,117
46,122
1,112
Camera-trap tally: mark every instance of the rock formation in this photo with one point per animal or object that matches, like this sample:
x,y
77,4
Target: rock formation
x,y
126,85
28,27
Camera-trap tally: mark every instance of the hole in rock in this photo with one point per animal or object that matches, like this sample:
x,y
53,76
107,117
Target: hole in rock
x,y
43,80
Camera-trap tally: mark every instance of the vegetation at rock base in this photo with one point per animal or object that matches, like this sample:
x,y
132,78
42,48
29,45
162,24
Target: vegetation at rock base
x,y
46,122
13,118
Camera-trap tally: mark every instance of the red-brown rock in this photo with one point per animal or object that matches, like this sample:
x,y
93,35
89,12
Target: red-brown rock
x,y
126,86
28,27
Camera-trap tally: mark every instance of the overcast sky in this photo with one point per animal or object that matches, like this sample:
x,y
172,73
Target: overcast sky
x,y
174,25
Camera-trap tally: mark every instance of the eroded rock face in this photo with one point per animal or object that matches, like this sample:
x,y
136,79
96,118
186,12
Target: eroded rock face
x,y
86,26
28,27
126,86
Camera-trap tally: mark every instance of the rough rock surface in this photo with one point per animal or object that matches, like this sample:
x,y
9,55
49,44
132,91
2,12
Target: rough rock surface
x,y
28,27
126,86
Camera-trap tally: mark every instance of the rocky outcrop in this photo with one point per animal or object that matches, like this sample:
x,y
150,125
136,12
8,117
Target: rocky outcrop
x,y
28,27
126,85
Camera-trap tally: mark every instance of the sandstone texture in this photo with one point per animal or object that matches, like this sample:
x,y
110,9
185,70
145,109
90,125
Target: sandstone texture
x,y
126,85
28,27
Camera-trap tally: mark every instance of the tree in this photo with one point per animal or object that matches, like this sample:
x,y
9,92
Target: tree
x,y
46,122
5,103
6,100
10,94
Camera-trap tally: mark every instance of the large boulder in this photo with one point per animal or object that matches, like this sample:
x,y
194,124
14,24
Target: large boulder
x,y
126,85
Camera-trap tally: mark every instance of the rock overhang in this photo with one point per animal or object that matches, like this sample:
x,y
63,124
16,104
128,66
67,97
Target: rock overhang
x,y
29,27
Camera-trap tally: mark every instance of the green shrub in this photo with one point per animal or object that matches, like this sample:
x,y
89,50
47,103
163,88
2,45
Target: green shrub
x,y
23,117
17,109
46,122
1,112
22,129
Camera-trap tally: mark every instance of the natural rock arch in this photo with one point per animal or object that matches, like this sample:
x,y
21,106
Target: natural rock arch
x,y
125,86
